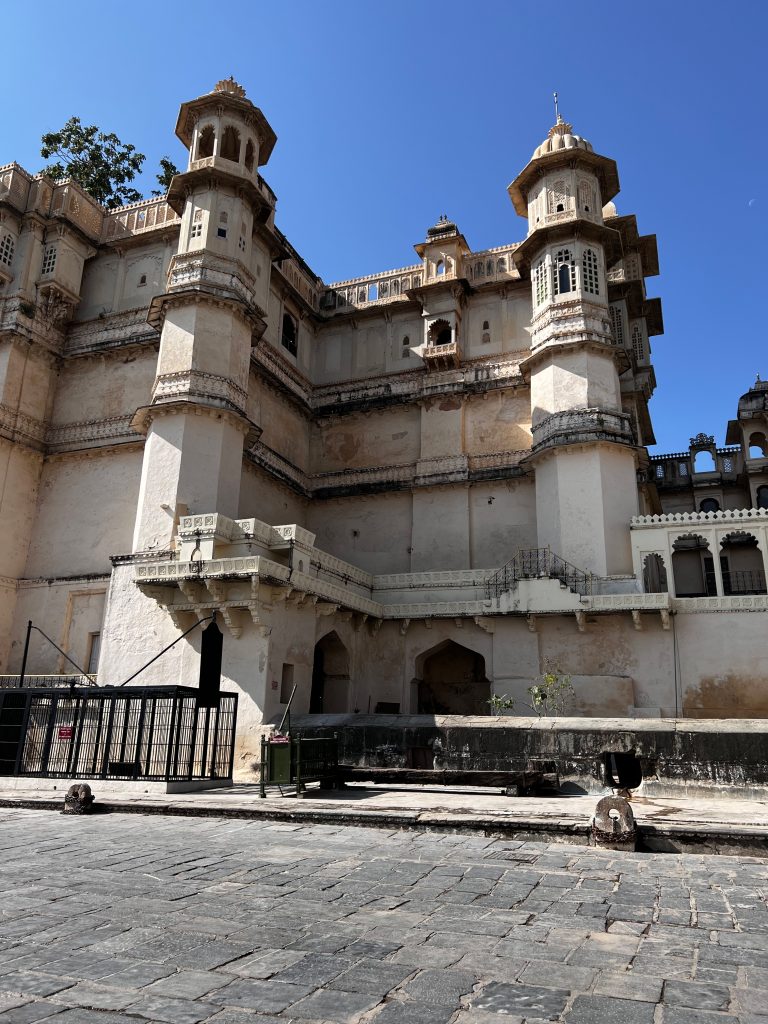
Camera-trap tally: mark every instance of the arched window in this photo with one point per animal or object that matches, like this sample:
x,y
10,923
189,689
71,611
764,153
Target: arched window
x,y
7,247
709,505
230,144
617,326
541,291
479,268
289,335
564,272
439,333
501,265
395,287
586,197
489,268
704,462
762,497
558,197
249,153
221,231
758,446
485,325
591,281
406,348
654,575
373,292
638,345
205,142
440,268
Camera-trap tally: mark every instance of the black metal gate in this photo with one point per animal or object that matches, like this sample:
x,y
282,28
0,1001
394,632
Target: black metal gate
x,y
159,734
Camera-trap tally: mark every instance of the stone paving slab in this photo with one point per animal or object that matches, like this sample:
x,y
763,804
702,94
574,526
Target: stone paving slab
x,y
709,824
127,919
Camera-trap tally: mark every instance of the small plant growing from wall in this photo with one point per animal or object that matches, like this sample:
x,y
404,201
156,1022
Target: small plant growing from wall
x,y
500,703
554,694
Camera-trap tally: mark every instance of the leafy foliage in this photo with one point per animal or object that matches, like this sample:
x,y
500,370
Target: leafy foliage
x,y
553,695
167,170
99,162
500,704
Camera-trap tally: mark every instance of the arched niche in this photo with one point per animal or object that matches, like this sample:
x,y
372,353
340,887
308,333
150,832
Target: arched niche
x,y
742,564
452,681
693,567
330,677
654,575
205,142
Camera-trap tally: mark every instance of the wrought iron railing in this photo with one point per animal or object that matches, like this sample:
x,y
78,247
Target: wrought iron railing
x,y
537,563
744,581
151,733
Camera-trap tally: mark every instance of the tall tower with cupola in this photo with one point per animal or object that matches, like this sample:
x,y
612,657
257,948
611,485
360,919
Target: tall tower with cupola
x,y
209,316
584,453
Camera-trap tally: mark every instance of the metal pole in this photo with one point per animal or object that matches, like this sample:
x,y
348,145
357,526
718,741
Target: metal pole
x,y
170,645
26,652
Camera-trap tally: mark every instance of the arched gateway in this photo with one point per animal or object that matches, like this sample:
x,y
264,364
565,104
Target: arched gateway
x,y
451,681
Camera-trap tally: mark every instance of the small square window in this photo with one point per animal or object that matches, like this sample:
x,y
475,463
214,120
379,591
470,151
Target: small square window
x,y
221,232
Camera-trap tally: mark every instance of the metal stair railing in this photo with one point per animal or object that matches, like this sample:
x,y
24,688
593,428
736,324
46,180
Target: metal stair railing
x,y
537,563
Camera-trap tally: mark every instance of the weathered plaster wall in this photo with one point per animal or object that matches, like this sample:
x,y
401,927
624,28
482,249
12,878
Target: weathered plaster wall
x,y
502,515
381,437
268,500
284,428
79,498
498,421
100,387
372,532
69,611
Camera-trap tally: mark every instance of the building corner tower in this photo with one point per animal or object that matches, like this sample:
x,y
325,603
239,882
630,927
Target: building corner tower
x,y
584,453
209,316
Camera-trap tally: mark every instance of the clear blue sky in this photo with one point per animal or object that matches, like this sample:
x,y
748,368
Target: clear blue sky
x,y
389,114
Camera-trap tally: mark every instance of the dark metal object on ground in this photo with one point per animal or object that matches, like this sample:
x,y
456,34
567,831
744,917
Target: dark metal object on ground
x,y
294,761
156,734
79,799
613,826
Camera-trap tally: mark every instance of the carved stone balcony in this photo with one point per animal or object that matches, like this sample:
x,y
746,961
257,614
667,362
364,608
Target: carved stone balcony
x,y
442,357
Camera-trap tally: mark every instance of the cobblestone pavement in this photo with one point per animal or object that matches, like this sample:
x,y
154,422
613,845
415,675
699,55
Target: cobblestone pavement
x,y
121,919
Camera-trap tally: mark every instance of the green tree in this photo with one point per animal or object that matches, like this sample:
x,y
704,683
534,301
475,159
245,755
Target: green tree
x,y
100,162
167,170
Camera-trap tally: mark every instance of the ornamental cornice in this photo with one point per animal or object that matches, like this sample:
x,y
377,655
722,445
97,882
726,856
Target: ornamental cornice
x,y
142,419
90,432
195,385
20,428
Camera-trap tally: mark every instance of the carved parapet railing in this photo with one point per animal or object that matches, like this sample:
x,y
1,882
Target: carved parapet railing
x,y
723,516
373,289
74,204
138,218
300,281
576,426
441,357
491,265
15,185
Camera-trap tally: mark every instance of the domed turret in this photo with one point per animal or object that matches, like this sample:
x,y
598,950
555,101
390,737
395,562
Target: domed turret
x,y
561,136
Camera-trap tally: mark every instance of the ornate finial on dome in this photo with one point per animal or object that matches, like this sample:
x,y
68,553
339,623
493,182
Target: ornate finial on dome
x,y
231,86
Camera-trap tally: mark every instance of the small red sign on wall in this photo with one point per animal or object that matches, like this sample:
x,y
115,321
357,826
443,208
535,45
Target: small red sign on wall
x,y
65,732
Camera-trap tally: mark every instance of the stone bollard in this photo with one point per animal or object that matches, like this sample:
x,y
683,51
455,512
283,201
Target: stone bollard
x,y
79,799
613,826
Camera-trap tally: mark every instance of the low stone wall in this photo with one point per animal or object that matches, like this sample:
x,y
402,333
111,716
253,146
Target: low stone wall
x,y
676,756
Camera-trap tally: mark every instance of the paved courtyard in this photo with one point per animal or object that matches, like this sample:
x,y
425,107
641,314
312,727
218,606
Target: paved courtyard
x,y
120,919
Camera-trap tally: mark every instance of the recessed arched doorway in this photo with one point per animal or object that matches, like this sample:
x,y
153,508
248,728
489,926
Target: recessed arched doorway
x,y
330,677
452,681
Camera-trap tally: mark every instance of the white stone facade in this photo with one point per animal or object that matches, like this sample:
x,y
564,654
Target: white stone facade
x,y
191,420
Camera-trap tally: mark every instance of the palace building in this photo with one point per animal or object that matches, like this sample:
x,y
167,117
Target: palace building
x,y
401,493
